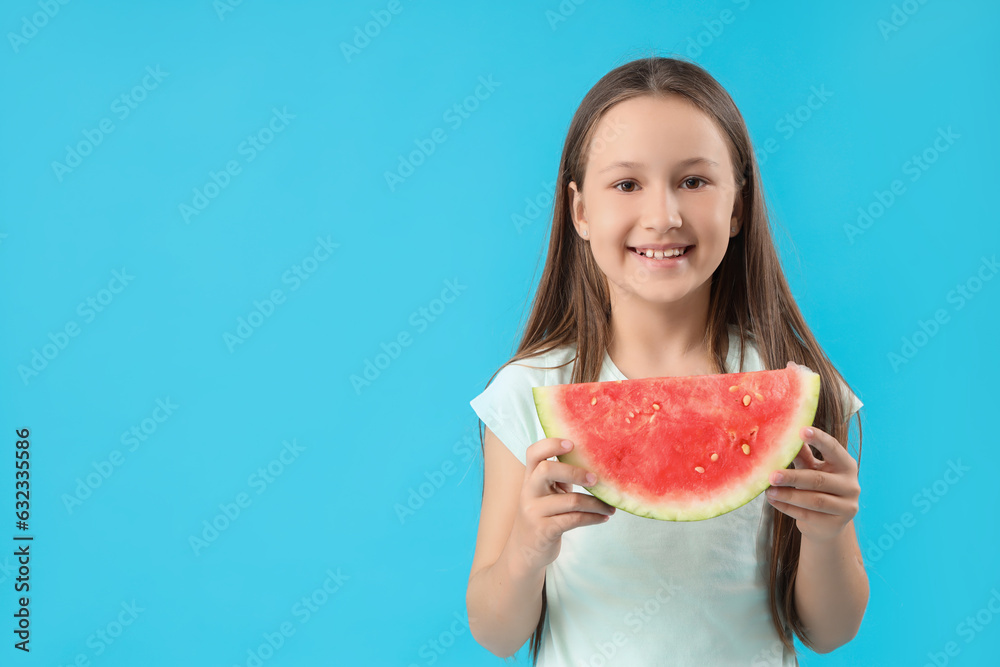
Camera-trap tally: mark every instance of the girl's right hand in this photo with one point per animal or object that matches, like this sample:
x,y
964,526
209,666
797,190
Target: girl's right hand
x,y
549,507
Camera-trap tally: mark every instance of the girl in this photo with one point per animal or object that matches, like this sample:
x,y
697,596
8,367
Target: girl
x,y
661,263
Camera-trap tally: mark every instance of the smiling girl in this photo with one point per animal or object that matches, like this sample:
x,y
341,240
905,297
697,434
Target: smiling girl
x,y
661,263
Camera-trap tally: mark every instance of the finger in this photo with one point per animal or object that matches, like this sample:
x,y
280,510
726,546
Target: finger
x,y
832,451
823,503
572,520
575,502
806,459
549,473
836,484
543,449
798,513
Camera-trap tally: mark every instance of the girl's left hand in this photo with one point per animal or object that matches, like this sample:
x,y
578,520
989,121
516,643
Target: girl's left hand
x,y
822,496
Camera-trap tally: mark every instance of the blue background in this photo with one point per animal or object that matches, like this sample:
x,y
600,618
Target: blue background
x,y
333,505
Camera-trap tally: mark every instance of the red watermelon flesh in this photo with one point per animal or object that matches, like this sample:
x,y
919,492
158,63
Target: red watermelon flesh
x,y
682,448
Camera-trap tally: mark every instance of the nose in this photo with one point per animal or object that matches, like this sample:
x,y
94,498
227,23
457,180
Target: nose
x,y
664,212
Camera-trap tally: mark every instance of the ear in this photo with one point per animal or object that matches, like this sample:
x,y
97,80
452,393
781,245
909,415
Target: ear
x,y
576,208
734,218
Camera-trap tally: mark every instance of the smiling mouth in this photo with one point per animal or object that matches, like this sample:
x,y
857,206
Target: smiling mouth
x,y
662,255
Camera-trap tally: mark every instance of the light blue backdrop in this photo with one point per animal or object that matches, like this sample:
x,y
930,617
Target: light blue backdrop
x,y
200,248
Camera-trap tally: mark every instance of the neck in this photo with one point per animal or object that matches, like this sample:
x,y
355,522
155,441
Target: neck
x,y
661,339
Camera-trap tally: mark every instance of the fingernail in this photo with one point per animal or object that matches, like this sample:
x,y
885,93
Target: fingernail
x,y
778,478
772,492
566,444
809,433
591,478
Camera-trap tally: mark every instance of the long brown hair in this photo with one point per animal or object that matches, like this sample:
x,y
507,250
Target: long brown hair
x,y
748,290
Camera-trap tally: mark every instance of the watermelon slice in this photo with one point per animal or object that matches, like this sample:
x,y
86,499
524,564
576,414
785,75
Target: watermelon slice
x,y
682,448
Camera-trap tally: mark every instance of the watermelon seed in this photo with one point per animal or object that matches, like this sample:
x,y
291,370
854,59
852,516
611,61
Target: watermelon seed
x,y
746,448
656,406
760,397
699,469
631,414
628,421
734,387
746,400
593,400
715,457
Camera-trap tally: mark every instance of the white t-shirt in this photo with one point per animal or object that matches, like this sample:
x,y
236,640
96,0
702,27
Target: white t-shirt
x,y
640,592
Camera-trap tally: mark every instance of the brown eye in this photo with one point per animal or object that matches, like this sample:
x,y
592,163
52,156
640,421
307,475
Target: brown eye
x,y
694,178
623,183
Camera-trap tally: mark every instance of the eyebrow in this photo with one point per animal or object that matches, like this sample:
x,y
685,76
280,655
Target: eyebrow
x,y
639,165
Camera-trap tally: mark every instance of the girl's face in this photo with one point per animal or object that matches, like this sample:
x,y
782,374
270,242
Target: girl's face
x,y
658,174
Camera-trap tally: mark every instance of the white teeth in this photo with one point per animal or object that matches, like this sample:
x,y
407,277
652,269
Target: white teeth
x,y
661,254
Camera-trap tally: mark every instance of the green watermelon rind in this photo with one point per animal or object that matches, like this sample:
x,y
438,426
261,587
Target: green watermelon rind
x,y
782,455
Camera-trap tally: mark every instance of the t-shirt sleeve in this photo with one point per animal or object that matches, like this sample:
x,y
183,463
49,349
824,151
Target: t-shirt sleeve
x,y
850,401
507,407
